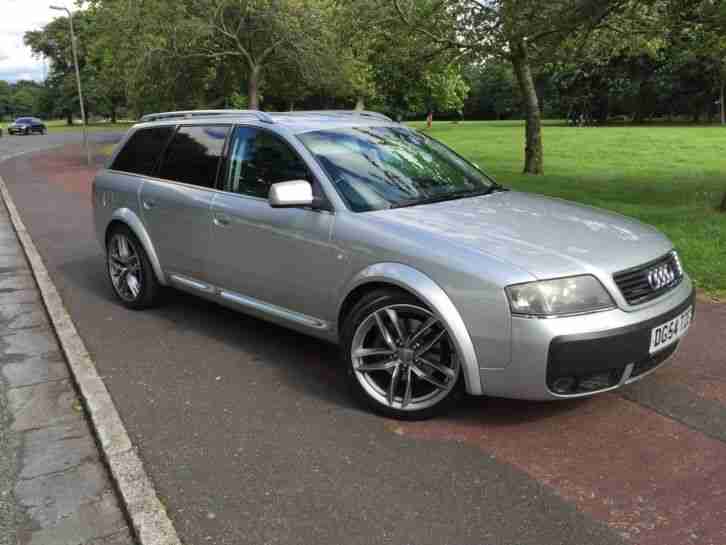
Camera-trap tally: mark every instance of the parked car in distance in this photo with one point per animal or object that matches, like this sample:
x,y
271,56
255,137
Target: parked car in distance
x,y
27,125
366,233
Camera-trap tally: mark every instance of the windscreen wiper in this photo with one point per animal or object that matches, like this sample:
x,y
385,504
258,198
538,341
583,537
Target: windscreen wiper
x,y
448,197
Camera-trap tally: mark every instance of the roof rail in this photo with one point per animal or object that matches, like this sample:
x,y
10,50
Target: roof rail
x,y
186,114
362,113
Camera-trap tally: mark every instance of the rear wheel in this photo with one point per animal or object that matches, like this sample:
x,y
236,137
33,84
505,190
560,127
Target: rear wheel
x,y
129,270
401,361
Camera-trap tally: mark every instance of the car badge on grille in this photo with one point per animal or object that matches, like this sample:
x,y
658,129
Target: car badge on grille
x,y
661,276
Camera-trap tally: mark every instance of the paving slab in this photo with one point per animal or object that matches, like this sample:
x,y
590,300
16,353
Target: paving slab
x,y
27,371
89,523
21,296
54,449
44,404
21,316
25,343
14,282
52,497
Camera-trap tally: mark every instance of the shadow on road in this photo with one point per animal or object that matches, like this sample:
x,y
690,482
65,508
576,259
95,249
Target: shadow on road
x,y
309,365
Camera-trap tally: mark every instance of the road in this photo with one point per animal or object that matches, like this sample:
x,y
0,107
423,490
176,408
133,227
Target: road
x,y
251,437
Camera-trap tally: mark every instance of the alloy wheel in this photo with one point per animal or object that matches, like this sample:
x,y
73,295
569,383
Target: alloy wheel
x,y
124,266
403,357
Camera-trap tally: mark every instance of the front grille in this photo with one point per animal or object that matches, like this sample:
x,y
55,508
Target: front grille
x,y
634,284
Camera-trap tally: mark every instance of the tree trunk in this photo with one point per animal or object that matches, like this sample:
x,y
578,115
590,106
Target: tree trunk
x,y
360,104
723,111
69,117
723,203
533,152
113,114
253,89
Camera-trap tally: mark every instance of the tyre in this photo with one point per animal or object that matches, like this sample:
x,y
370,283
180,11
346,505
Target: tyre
x,y
129,270
400,360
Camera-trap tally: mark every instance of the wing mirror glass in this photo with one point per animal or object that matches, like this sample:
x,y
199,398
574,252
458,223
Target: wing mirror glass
x,y
295,193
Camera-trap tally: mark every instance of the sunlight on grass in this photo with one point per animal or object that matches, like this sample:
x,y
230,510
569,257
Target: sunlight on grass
x,y
672,177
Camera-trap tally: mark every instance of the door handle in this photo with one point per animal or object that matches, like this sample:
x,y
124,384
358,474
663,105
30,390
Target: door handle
x,y
221,220
148,204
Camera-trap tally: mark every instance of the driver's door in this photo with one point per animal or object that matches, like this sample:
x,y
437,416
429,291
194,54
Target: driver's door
x,y
282,258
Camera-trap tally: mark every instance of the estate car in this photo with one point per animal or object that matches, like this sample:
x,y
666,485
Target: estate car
x,y
366,233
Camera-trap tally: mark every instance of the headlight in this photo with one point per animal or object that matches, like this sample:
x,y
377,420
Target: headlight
x,y
574,295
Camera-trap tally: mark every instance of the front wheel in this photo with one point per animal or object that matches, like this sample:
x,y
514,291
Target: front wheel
x,y
400,358
129,270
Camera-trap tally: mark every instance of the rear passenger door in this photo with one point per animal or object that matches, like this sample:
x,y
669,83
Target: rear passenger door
x,y
176,205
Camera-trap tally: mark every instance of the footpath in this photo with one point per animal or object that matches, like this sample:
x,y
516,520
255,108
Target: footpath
x,y
54,486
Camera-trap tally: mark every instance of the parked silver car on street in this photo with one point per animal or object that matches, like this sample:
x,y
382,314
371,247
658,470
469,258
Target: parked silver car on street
x,y
369,234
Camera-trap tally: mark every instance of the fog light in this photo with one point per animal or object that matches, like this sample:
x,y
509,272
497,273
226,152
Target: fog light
x,y
564,385
596,382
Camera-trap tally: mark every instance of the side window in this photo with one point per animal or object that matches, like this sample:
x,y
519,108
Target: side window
x,y
141,153
258,159
193,155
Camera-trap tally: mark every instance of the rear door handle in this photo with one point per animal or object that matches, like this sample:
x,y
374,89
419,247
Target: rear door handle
x,y
148,204
221,220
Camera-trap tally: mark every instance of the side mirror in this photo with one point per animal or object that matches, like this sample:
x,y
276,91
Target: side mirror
x,y
295,193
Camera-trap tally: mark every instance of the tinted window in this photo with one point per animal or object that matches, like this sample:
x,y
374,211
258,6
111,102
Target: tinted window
x,y
193,155
23,120
259,159
141,153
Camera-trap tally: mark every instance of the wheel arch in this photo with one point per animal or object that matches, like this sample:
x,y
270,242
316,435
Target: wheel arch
x,y
410,280
129,219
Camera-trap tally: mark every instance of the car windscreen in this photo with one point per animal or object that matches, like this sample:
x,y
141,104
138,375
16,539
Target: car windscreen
x,y
375,168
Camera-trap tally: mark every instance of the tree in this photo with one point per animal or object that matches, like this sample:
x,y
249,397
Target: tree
x,y
700,27
526,33
494,93
53,42
255,32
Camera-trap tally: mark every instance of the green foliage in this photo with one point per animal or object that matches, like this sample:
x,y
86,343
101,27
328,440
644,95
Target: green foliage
x,y
494,93
21,98
405,57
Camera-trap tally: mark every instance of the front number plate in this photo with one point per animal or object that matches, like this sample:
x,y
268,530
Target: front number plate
x,y
666,334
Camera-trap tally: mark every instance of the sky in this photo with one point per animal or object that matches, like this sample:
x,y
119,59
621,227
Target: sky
x,y
16,17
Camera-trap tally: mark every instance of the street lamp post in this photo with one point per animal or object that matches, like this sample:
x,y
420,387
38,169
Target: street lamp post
x,y
78,80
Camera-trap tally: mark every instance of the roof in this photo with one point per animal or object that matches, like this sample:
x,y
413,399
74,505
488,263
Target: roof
x,y
297,122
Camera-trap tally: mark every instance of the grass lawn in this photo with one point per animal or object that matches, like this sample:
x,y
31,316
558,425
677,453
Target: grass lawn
x,y
60,125
670,177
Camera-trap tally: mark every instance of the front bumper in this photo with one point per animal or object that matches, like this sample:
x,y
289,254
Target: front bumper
x,y
584,355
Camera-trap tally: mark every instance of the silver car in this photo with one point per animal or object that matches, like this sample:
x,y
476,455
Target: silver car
x,y
363,232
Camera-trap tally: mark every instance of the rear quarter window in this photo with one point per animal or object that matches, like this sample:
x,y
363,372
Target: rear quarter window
x,y
193,155
140,154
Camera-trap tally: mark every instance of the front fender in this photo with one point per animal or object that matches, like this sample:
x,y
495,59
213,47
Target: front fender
x,y
129,217
433,295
